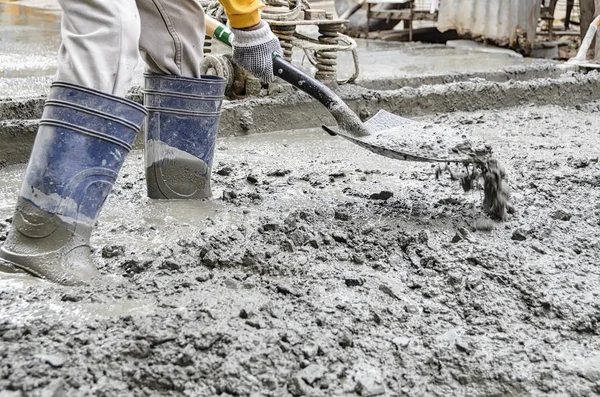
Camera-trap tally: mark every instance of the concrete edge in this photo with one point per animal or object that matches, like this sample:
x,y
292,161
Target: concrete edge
x,y
31,108
519,73
298,110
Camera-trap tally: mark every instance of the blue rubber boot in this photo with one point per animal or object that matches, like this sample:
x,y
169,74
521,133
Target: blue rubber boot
x,y
181,130
81,144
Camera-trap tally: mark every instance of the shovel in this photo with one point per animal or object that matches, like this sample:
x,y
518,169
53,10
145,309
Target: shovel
x,y
385,133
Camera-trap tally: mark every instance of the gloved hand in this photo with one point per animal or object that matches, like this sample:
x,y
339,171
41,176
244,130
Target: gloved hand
x,y
253,50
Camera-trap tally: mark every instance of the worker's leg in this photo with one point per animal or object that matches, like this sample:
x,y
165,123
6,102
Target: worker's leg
x,y
184,108
84,136
570,4
172,36
99,49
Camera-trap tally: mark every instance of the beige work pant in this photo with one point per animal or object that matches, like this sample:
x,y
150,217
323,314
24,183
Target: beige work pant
x,y
102,41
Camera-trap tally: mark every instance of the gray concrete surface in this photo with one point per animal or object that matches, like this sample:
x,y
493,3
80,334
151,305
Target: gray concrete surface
x,y
300,282
299,279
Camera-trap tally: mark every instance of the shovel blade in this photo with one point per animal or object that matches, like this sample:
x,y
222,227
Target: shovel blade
x,y
400,138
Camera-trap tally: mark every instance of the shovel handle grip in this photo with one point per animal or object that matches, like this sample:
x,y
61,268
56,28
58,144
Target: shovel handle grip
x,y
281,68
302,81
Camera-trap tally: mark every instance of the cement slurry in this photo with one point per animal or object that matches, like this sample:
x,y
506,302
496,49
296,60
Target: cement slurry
x,y
322,270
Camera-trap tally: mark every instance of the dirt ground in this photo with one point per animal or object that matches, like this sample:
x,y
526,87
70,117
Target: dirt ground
x,y
320,269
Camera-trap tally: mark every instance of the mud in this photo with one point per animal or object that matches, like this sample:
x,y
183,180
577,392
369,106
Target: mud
x,y
323,269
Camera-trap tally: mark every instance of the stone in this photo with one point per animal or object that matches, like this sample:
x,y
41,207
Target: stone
x,y
340,237
313,243
279,173
225,171
169,265
457,237
186,357
297,387
383,195
112,251
138,349
210,260
310,351
71,297
287,289
561,215
254,324
341,216
518,235
270,227
401,342
345,341
230,283
354,281
53,360
312,373
463,346
244,314
204,277
287,246
298,238
342,256
386,289
368,382
228,196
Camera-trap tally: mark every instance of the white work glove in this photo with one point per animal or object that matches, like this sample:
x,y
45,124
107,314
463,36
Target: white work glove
x,y
253,50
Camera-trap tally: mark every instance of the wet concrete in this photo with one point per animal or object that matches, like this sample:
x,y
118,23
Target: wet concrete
x,y
322,270
289,109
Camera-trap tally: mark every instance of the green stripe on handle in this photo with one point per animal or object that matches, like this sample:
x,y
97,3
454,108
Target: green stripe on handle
x,y
223,34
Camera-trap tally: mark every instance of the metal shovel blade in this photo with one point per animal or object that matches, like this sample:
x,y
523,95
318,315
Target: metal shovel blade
x,y
403,139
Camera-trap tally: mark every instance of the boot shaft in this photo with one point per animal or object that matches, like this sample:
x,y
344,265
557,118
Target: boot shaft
x,y
181,131
81,144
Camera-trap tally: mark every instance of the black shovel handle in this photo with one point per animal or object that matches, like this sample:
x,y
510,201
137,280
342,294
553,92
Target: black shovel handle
x,y
302,81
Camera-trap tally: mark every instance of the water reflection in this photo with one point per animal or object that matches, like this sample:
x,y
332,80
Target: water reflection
x,y
29,38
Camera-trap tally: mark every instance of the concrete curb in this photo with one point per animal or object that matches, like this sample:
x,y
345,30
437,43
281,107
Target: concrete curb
x,y
297,110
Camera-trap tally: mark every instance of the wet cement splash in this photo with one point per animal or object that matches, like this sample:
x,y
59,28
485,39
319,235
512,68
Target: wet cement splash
x,y
404,139
496,192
